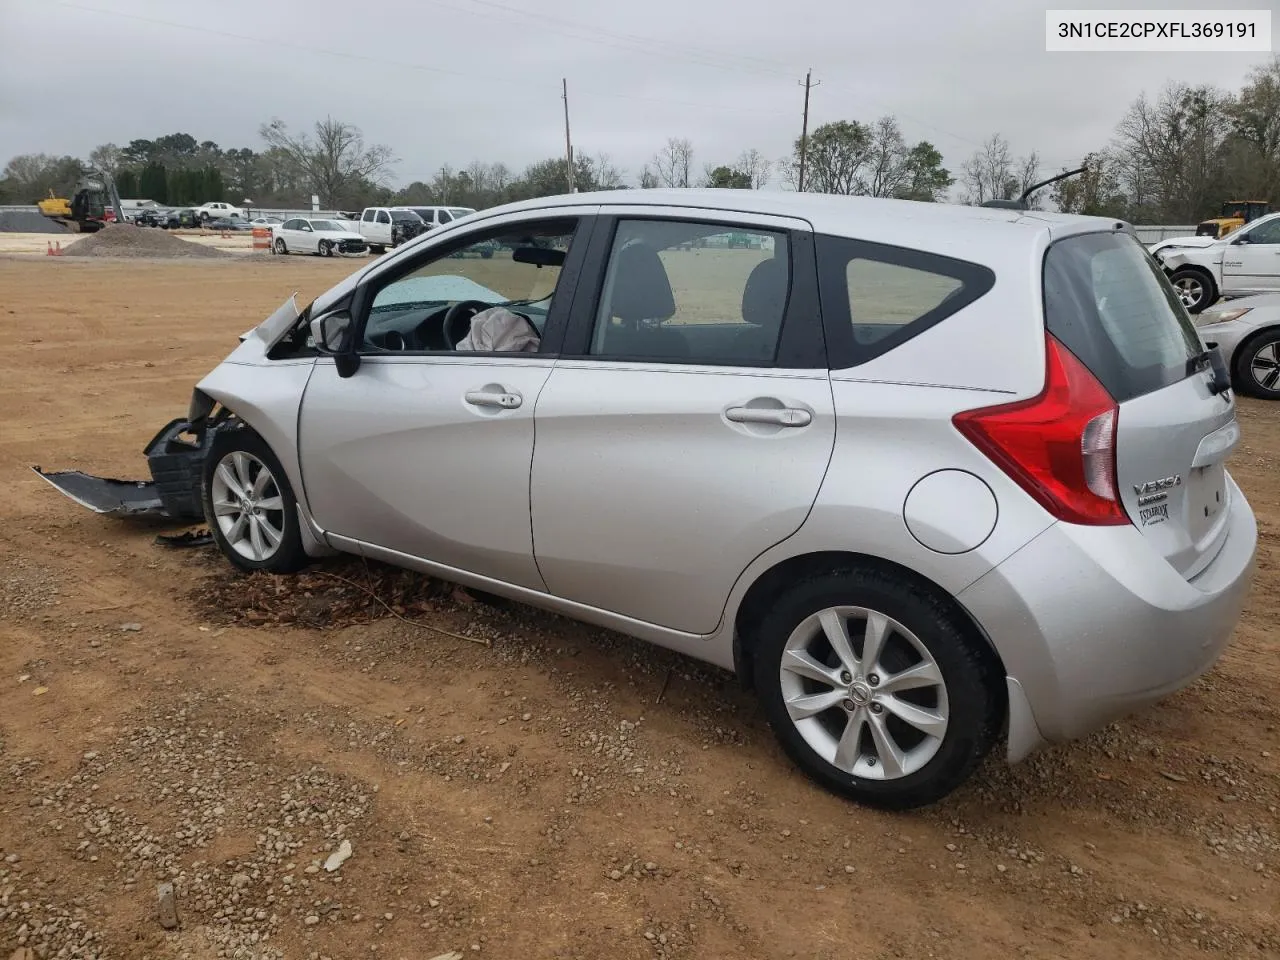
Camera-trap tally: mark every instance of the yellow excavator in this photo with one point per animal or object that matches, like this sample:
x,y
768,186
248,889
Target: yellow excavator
x,y
1235,214
95,203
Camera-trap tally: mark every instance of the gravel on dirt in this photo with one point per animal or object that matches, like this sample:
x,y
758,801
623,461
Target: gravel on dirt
x,y
28,221
125,240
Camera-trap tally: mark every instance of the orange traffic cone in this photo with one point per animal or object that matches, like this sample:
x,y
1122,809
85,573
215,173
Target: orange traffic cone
x,y
49,251
57,250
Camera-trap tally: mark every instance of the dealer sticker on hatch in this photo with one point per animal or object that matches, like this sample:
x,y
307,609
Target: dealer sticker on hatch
x,y
1156,513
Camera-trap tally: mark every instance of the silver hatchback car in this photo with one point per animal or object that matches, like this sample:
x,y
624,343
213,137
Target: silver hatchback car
x,y
928,477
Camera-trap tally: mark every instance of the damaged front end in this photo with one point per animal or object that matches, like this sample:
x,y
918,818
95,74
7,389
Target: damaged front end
x,y
175,457
177,453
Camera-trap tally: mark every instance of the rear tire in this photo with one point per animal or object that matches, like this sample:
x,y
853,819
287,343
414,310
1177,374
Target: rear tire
x,y
1196,288
378,248
1257,366
867,730
249,505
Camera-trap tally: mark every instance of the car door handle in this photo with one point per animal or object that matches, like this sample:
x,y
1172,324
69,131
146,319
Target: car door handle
x,y
786,417
483,398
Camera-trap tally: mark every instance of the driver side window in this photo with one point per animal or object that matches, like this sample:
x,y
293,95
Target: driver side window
x,y
490,292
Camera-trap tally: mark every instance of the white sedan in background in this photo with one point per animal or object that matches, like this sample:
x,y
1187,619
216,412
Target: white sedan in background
x,y
322,237
1246,332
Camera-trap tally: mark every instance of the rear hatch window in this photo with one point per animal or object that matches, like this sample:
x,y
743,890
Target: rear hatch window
x,y
1110,304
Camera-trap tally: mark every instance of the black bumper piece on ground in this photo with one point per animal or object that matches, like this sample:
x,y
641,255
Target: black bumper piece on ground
x,y
176,457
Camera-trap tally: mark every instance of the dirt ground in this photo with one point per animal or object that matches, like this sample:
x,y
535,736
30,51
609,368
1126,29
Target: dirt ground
x,y
552,791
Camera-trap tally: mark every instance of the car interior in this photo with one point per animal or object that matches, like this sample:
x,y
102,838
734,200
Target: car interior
x,y
640,317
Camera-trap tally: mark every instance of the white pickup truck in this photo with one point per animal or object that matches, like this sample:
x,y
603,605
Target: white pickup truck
x,y
384,227
1244,262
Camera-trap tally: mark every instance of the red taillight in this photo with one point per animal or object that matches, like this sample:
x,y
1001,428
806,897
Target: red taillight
x,y
1060,446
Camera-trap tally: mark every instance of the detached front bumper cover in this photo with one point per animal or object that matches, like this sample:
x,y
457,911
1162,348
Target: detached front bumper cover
x,y
176,458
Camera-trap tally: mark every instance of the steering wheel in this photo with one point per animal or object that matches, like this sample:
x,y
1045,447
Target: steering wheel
x,y
457,321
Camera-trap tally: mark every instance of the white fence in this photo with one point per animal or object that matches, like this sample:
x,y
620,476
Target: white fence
x,y
1156,234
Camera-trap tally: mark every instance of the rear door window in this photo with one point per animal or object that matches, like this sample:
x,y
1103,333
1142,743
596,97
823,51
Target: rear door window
x,y
1108,302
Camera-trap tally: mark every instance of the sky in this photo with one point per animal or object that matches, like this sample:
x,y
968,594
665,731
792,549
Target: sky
x,y
451,81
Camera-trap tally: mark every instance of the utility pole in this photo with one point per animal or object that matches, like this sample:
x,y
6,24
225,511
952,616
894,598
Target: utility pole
x,y
568,144
804,130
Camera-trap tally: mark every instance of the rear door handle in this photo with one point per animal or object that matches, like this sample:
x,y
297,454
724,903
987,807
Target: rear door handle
x,y
786,417
483,398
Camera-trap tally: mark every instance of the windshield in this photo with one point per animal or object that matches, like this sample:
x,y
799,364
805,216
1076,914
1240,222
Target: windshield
x,y
460,211
405,215
327,225
1110,304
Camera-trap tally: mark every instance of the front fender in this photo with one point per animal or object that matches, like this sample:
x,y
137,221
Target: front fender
x,y
267,398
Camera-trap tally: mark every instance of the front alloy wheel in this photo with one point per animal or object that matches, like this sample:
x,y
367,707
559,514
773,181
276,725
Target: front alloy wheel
x,y
1194,289
1264,366
280,247
249,505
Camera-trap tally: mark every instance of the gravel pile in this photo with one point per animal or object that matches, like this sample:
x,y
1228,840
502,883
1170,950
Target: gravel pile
x,y
28,221
125,240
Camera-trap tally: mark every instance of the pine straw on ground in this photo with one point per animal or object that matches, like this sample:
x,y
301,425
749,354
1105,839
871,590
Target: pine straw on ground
x,y
338,593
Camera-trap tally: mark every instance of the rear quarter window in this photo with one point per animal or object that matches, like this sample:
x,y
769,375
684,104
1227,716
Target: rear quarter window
x,y
1109,303
876,297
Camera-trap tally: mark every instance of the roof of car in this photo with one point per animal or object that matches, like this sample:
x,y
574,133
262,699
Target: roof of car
x,y
898,222
826,211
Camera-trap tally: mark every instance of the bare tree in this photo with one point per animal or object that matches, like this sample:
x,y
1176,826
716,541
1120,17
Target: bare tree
x,y
889,166
1172,152
755,166
674,163
648,179
336,164
604,175
993,173
105,157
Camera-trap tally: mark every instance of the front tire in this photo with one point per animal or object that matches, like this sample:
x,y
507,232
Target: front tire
x,y
325,248
1257,366
280,246
876,688
250,506
1196,288
378,248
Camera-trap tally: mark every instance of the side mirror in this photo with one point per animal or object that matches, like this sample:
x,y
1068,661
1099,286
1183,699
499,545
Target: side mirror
x,y
333,335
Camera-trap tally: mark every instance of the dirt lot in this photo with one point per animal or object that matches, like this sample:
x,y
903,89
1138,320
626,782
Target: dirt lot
x,y
558,792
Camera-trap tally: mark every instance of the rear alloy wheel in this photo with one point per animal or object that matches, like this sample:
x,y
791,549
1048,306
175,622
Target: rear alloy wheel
x,y
250,506
325,248
1195,289
280,247
875,688
1258,366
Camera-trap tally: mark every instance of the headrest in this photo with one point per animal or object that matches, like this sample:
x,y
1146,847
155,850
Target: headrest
x,y
641,289
764,298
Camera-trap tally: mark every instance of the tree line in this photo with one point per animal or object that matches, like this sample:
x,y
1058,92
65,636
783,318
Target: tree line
x,y
1172,159
1175,157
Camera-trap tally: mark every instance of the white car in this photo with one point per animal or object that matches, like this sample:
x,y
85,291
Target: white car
x,y
322,237
1246,332
212,211
1244,262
